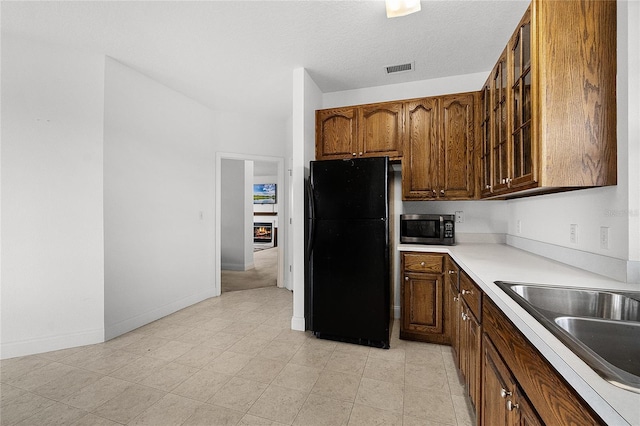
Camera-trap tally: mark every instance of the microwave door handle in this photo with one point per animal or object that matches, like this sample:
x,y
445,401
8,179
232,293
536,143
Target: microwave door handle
x,y
441,229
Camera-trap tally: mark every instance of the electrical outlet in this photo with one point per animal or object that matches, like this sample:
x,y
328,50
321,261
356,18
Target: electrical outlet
x,y
573,233
519,227
604,237
459,217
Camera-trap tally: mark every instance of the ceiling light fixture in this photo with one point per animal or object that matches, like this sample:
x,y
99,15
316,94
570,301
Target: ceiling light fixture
x,y
397,8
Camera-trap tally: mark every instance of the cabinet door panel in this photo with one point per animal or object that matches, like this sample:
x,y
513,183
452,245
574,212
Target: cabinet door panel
x,y
497,386
381,130
456,149
420,148
475,362
526,414
422,302
336,133
499,131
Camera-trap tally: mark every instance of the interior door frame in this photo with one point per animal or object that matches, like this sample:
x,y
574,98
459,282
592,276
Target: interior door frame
x,y
282,212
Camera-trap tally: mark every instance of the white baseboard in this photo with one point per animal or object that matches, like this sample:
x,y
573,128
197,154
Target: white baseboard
x,y
297,323
617,269
122,327
51,343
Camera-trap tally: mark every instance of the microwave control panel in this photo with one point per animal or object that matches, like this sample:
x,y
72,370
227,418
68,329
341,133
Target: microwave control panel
x,y
448,229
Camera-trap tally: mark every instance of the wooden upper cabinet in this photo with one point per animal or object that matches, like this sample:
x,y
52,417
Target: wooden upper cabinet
x,y
486,164
380,130
522,172
373,130
420,162
456,177
336,133
439,146
553,118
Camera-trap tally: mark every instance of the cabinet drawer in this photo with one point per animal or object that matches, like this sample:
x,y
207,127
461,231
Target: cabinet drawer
x,y
421,262
471,294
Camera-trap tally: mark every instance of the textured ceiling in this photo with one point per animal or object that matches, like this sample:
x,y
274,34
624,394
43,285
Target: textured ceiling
x,y
239,55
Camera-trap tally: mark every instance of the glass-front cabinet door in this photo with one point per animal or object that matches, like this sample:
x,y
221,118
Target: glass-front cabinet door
x,y
499,131
521,171
485,144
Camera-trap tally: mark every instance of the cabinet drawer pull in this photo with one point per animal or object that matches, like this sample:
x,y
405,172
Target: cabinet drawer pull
x,y
505,393
455,298
452,272
464,316
466,291
511,406
421,263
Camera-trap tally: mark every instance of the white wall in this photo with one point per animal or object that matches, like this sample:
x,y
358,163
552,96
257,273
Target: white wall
x,y
307,97
52,236
629,98
236,239
158,200
245,134
416,89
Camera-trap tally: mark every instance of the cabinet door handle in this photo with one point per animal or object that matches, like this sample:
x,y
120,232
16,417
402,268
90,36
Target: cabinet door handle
x,y
511,406
421,263
452,272
505,393
360,153
442,192
406,278
455,298
354,154
464,316
463,291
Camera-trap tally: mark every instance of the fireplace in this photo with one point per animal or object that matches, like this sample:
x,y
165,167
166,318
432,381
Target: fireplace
x,y
263,232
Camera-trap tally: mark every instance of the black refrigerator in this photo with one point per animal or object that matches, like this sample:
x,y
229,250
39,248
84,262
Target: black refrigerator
x,y
348,295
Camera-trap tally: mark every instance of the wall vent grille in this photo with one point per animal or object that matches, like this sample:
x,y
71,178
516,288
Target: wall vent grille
x,y
392,69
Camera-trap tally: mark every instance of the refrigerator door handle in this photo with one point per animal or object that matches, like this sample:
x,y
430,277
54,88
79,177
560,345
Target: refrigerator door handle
x,y
441,228
312,217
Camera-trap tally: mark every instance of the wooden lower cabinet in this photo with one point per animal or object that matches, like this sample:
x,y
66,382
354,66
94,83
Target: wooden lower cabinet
x,y
503,402
539,394
470,345
422,298
508,381
452,306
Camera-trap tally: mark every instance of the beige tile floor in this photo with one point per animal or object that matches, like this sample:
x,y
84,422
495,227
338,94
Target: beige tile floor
x,y
233,360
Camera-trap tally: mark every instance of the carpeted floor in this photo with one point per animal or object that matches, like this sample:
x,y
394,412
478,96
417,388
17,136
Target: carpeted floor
x,y
264,274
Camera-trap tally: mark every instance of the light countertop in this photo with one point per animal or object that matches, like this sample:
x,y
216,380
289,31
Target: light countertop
x,y
486,263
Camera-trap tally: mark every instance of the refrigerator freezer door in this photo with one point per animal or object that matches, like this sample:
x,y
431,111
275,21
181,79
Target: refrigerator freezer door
x,y
350,280
349,189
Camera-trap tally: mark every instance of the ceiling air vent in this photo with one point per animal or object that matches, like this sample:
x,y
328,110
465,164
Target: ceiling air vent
x,y
393,69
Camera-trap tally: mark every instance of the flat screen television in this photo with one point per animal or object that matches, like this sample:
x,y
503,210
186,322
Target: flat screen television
x,y
264,193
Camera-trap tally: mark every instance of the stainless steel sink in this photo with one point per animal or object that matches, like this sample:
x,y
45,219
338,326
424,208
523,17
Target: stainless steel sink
x,y
602,327
580,302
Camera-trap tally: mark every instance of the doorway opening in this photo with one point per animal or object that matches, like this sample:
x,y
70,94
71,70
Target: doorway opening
x,y
259,245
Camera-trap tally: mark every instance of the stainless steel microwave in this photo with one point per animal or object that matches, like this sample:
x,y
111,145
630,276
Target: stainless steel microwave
x,y
427,229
